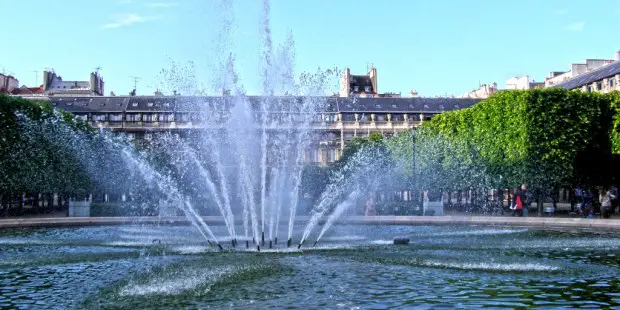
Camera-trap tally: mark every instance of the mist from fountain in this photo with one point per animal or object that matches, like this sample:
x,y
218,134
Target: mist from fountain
x,y
250,154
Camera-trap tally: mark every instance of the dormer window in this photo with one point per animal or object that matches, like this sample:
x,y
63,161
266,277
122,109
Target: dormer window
x,y
426,106
356,88
378,106
393,106
367,89
150,104
135,104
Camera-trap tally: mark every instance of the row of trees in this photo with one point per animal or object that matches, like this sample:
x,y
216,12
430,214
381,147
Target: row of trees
x,y
549,139
35,162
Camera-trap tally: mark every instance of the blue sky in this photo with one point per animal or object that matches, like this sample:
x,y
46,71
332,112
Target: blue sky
x,y
437,47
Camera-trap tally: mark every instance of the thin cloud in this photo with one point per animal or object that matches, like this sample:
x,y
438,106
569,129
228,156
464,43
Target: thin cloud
x,y
576,26
560,12
129,19
126,1
160,5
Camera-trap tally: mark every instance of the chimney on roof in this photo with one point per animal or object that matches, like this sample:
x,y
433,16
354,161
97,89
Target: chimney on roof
x,y
617,58
372,74
413,93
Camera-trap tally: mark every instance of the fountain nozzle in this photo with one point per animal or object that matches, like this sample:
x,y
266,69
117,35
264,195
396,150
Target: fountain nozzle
x,y
270,244
247,244
315,243
263,238
289,242
234,243
258,247
220,247
299,246
275,240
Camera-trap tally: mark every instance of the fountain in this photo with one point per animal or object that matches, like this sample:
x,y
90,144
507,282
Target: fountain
x,y
238,180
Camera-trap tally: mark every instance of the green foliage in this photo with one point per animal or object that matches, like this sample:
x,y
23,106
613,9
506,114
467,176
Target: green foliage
x,y
31,161
546,138
614,99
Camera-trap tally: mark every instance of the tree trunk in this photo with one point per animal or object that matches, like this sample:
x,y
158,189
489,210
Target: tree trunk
x,y
35,203
500,200
540,202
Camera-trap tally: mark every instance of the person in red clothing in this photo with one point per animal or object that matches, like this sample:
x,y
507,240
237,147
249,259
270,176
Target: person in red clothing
x,y
519,200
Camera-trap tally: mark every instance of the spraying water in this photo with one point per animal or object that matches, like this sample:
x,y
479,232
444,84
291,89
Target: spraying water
x,y
338,211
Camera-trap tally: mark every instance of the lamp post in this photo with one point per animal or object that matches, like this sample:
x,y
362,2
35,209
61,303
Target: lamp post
x,y
413,163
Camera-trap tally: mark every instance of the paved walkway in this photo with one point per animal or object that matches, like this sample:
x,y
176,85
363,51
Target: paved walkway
x,y
383,220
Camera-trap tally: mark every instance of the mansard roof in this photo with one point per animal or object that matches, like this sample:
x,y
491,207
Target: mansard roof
x,y
258,103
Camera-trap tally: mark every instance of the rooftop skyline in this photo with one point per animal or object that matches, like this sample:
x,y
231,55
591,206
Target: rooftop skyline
x,y
437,48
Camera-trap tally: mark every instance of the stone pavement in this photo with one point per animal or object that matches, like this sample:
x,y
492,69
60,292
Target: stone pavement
x,y
372,220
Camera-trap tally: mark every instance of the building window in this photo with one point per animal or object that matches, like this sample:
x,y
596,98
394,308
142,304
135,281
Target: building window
x,y
166,117
612,82
331,155
348,117
147,117
356,88
99,117
132,117
182,117
381,118
363,117
116,117
312,156
82,117
367,89
150,104
589,89
148,136
599,86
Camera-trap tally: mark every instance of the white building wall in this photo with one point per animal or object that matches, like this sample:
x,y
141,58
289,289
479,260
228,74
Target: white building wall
x,y
518,83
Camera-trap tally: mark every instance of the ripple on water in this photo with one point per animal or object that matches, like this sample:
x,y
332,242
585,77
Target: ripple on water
x,y
444,266
187,280
490,266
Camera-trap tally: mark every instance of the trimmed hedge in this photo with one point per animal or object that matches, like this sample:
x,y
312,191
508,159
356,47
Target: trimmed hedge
x,y
547,138
34,158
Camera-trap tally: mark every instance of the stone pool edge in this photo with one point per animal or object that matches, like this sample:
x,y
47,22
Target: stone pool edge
x,y
382,220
